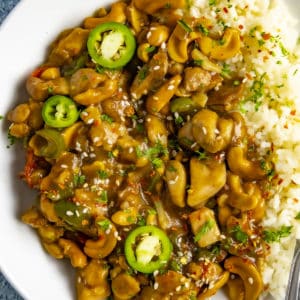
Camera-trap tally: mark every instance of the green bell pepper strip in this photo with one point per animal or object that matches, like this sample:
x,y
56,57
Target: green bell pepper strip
x,y
59,111
147,249
111,45
48,143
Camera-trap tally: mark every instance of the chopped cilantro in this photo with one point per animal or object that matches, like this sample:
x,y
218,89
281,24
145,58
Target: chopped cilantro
x,y
157,162
103,197
140,127
297,216
50,89
141,221
107,118
12,139
185,26
271,236
102,174
203,29
239,234
172,169
150,49
198,62
1,117
201,154
225,72
143,72
104,224
152,211
266,167
257,90
178,119
212,2
78,179
208,225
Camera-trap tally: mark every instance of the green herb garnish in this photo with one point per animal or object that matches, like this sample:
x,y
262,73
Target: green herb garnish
x,y
208,225
107,118
240,235
271,236
185,26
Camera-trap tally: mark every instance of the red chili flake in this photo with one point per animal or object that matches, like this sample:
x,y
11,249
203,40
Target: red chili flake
x,y
296,200
272,147
96,123
293,112
286,126
265,58
266,36
280,181
259,50
39,71
241,27
225,9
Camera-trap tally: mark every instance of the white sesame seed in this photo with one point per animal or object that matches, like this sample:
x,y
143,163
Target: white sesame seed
x,y
85,210
64,166
90,121
155,273
85,113
250,280
92,155
155,286
204,130
178,288
163,45
69,213
77,213
156,67
171,87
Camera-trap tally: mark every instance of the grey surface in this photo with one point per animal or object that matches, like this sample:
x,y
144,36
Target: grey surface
x,y
6,290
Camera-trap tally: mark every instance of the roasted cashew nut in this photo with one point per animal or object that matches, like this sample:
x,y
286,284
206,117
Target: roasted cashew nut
x,y
125,286
213,133
136,18
242,196
143,52
178,43
175,177
240,165
248,272
156,130
116,14
222,280
71,250
207,178
92,281
150,6
104,245
227,47
157,34
206,63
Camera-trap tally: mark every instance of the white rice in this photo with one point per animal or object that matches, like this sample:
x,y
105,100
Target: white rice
x,y
276,120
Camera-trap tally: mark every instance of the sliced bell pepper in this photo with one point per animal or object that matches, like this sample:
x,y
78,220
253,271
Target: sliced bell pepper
x,y
59,111
111,45
147,249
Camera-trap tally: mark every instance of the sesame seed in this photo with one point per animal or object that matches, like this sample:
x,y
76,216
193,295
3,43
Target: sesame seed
x,y
90,121
155,273
69,213
77,213
85,210
85,113
171,87
92,155
64,166
163,45
204,130
156,67
178,288
155,286
250,280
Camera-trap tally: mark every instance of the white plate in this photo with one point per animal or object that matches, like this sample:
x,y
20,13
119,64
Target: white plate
x,y
24,36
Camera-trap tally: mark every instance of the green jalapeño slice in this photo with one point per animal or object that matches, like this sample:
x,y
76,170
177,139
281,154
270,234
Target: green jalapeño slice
x,y
59,111
111,45
147,249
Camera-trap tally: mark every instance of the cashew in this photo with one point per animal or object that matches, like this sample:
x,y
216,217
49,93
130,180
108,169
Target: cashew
x,y
235,289
19,130
213,133
240,165
71,250
48,210
162,97
105,243
92,282
54,250
248,272
150,6
143,52
243,197
224,210
176,182
19,114
217,286
49,233
50,73
227,47
157,34
207,178
179,41
116,14
35,120
125,286
156,130
125,217
186,138
70,133
136,18
204,226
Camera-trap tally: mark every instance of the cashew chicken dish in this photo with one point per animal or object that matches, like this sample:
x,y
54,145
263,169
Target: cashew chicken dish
x,y
149,178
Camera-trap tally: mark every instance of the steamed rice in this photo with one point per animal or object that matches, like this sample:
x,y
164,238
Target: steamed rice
x,y
272,117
